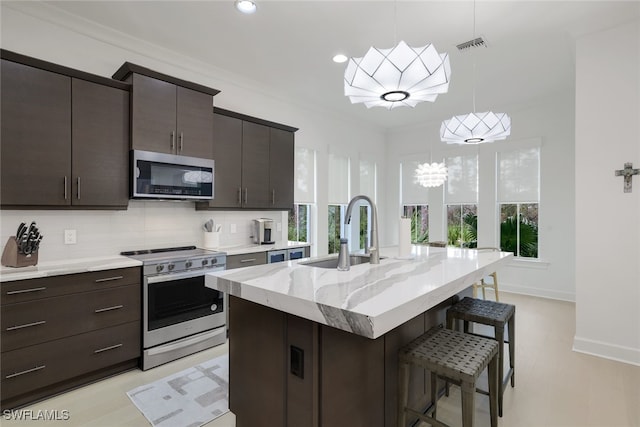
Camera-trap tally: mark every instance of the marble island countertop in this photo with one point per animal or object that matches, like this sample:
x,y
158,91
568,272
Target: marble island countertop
x,y
61,267
368,300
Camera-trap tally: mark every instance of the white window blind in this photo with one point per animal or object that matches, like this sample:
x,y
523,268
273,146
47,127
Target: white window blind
x,y
305,176
338,180
412,192
368,178
462,182
519,175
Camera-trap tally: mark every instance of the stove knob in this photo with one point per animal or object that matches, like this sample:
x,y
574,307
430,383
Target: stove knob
x,y
188,264
159,268
171,267
214,261
205,262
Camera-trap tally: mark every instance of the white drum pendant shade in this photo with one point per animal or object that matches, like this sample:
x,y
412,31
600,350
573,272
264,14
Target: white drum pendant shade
x,y
475,128
400,76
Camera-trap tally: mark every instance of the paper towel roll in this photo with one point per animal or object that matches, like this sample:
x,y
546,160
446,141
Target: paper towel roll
x,y
404,238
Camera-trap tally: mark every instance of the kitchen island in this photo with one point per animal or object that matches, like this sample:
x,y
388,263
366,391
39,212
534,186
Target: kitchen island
x,y
313,346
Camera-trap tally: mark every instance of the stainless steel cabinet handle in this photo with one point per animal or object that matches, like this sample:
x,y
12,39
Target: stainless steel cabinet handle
x,y
65,187
246,195
108,279
78,195
24,291
37,368
111,347
173,140
26,325
248,260
239,195
181,141
273,197
115,307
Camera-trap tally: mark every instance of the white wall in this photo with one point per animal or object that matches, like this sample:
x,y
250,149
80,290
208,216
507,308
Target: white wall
x,y
608,220
39,31
550,123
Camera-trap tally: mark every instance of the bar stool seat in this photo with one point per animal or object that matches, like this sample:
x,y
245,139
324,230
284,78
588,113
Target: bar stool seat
x,y
455,356
497,315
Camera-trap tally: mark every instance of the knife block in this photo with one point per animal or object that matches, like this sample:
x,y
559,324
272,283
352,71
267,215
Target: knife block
x,y
11,256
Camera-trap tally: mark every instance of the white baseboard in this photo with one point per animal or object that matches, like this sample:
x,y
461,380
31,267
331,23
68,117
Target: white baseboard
x,y
537,292
610,351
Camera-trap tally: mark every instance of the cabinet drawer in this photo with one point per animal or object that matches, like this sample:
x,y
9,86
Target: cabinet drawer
x,y
246,260
35,322
41,365
32,289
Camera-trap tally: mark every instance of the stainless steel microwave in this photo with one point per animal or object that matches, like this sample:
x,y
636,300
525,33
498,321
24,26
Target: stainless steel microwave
x,y
168,176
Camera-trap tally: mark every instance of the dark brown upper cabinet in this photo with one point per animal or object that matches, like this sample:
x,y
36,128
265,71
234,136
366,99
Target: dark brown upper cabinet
x,y
64,137
281,168
227,153
254,163
169,115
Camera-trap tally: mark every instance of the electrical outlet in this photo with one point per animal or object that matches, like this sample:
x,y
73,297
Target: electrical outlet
x,y
232,228
70,237
278,226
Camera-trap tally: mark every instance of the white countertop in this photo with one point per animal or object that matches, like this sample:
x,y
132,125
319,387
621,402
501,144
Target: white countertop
x,y
247,249
60,267
368,300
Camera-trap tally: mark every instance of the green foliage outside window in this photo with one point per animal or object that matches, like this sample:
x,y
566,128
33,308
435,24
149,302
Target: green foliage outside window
x,y
298,223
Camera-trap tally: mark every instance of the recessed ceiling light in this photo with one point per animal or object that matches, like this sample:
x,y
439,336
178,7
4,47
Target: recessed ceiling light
x,y
340,58
246,6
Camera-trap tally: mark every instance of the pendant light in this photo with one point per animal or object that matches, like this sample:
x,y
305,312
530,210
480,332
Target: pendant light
x,y
475,128
431,174
396,77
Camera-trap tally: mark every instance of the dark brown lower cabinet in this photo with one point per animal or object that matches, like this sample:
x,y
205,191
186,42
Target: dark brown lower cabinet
x,y
288,371
65,331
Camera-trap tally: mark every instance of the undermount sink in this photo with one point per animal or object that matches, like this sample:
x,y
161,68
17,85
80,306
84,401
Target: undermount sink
x,y
333,261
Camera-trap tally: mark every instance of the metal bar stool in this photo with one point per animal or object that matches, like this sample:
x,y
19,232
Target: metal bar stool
x,y
483,284
458,357
494,314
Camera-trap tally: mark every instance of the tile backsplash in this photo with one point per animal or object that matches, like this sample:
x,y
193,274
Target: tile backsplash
x,y
145,225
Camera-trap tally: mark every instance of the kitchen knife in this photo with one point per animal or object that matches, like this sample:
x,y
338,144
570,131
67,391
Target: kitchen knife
x,y
21,229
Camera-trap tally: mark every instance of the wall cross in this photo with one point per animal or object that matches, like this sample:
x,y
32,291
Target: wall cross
x,y
627,173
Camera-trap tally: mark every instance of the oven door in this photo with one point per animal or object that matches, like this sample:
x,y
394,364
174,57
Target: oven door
x,y
178,305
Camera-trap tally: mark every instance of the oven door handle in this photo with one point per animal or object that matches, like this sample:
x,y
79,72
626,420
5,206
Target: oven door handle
x,y
178,276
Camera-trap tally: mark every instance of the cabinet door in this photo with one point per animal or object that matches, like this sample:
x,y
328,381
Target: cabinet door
x,y
153,115
227,154
255,166
194,125
36,136
281,164
100,145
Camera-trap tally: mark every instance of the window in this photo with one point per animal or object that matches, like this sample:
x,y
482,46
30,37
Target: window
x,y
336,226
368,182
518,199
462,225
339,184
462,201
519,229
419,215
299,223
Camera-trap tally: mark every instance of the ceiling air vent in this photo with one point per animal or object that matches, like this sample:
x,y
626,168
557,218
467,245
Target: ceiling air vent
x,y
477,42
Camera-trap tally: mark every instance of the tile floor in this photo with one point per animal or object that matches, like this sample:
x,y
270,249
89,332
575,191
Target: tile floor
x,y
554,385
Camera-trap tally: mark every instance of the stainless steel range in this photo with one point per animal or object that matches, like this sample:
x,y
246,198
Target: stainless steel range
x,y
181,316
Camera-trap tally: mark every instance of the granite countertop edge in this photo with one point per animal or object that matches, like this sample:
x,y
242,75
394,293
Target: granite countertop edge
x,y
67,266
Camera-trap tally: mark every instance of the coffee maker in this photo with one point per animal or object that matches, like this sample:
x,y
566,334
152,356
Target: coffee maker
x,y
262,231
